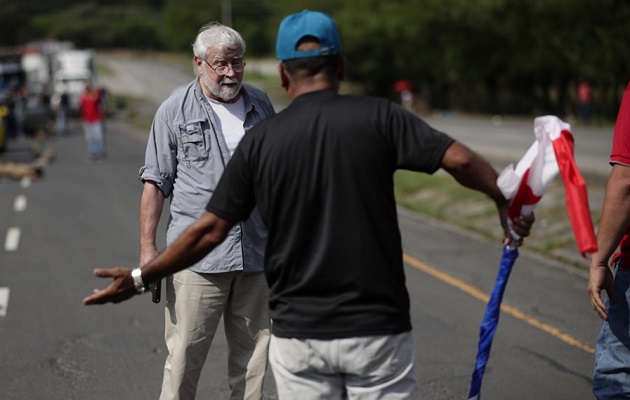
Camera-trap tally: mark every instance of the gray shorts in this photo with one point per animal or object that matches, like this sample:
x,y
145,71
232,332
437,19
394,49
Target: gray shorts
x,y
362,368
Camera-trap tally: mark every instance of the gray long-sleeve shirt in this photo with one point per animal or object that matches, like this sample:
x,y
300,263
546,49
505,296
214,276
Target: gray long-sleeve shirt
x,y
186,155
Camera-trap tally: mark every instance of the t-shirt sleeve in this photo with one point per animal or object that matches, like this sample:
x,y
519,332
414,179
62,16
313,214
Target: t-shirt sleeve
x,y
233,198
620,153
417,146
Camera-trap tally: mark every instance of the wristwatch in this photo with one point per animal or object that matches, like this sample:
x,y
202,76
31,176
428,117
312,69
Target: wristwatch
x,y
138,283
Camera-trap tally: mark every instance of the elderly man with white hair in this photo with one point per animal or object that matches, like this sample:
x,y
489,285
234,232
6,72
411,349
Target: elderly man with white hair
x,y
193,136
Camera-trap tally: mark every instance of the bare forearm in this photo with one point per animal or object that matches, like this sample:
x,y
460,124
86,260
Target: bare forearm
x,y
151,205
196,241
614,222
472,171
615,217
192,245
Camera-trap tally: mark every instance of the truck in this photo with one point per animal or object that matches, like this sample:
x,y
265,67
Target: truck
x,y
38,64
72,70
11,72
11,79
37,70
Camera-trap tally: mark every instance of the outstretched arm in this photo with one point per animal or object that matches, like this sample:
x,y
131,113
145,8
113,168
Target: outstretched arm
x,y
194,243
614,222
475,172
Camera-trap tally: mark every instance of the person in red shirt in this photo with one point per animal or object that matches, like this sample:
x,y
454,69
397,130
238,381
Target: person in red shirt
x,y
611,377
92,115
584,98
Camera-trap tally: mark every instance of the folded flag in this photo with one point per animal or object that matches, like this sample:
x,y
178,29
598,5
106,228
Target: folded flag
x,y
551,152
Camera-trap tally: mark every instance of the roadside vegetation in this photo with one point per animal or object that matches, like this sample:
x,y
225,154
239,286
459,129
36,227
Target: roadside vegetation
x,y
476,56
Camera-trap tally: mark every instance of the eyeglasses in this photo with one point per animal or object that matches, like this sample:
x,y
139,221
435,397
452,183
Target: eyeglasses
x,y
237,66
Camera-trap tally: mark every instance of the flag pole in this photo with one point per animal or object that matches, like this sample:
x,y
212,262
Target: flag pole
x,y
550,154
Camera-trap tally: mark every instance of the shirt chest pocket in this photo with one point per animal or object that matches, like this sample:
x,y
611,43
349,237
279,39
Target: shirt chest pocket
x,y
194,145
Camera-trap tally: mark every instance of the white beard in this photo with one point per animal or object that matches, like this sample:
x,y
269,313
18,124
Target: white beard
x,y
221,91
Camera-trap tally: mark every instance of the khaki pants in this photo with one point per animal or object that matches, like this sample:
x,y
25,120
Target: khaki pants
x,y
195,304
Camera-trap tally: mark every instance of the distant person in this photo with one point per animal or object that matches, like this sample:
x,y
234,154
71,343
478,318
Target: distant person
x,y
10,119
103,102
103,98
20,112
60,103
89,104
17,108
584,100
611,377
194,134
321,173
405,89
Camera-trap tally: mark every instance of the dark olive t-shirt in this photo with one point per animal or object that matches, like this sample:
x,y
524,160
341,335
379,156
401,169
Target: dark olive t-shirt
x,y
321,173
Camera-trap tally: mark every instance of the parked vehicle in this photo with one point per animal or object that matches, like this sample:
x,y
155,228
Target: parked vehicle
x,y
37,70
72,69
38,114
12,78
11,72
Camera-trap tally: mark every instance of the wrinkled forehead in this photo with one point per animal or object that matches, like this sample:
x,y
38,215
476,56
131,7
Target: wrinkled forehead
x,y
224,54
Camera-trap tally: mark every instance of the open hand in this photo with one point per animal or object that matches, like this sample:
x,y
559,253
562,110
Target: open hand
x,y
120,289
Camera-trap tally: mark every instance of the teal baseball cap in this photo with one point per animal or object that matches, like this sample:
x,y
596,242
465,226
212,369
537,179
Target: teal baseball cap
x,y
307,23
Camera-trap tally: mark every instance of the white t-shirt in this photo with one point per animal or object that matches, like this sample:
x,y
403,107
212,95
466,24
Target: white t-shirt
x,y
230,118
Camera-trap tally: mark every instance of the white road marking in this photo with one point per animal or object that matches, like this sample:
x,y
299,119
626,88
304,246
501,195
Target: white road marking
x,y
20,203
12,241
26,182
4,301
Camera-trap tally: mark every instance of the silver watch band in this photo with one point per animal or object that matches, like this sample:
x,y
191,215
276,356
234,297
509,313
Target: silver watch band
x,y
138,283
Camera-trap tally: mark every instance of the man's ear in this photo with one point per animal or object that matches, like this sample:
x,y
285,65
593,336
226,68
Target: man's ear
x,y
198,63
284,80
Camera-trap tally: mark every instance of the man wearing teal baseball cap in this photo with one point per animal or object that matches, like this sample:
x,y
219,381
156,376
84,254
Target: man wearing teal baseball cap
x,y
321,174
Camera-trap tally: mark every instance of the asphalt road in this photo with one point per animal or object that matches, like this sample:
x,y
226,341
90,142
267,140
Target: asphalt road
x,y
80,216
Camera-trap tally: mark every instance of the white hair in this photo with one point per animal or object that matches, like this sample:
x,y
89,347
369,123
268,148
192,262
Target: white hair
x,y
216,36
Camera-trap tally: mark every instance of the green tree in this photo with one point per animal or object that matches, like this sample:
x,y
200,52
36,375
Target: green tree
x,y
254,20
89,25
487,55
181,20
491,56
